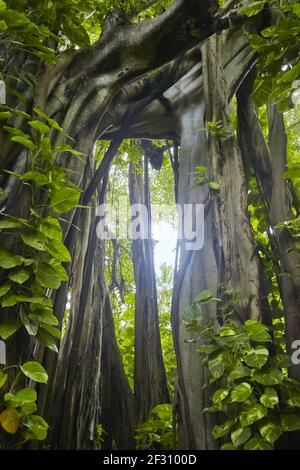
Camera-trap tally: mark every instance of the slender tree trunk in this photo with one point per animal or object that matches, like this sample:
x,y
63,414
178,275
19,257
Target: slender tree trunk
x,y
150,382
118,405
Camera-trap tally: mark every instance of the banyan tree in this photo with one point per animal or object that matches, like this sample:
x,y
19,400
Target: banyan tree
x,y
79,76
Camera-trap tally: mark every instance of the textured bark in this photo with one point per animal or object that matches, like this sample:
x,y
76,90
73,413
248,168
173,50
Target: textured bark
x,y
74,406
236,254
150,383
269,162
198,270
118,404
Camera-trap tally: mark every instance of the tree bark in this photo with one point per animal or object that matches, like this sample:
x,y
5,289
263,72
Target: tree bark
x,y
236,254
269,164
150,382
118,405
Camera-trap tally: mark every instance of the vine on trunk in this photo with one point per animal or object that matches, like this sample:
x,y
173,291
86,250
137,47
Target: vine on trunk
x,y
31,264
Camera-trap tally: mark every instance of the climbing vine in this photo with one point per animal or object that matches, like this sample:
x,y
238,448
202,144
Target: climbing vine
x,y
256,400
31,263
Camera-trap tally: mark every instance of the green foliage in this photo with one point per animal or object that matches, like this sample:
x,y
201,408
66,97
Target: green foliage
x,y
257,399
18,418
278,47
32,25
38,265
201,178
157,432
122,295
30,265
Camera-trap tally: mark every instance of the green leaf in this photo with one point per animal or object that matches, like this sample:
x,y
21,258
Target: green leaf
x,y
228,331
69,149
8,327
228,446
20,276
25,142
269,377
257,331
289,422
47,340
270,398
3,378
34,239
204,297
35,300
35,371
240,436
222,429
207,349
257,357
214,185
239,371
255,413
37,428
15,19
257,443
270,431
51,226
241,392
296,9
8,261
52,330
4,289
9,300
31,326
220,395
216,366
3,25
39,126
65,200
253,9
4,114
50,121
15,131
40,179
23,396
10,224
290,393
28,409
44,316
59,251
50,276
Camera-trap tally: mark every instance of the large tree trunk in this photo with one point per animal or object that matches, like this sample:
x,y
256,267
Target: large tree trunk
x,y
197,271
236,254
150,382
205,268
73,406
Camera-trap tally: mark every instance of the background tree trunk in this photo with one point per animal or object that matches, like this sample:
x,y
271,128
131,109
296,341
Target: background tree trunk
x,y
150,382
